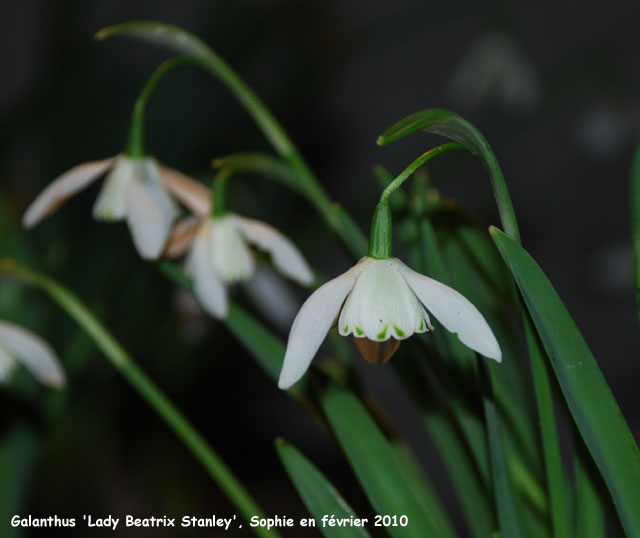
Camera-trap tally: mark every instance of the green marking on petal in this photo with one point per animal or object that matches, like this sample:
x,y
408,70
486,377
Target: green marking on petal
x,y
346,329
421,327
359,331
399,332
382,334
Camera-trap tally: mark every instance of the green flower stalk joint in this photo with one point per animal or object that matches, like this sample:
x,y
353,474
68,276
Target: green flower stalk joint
x,y
380,302
20,346
219,254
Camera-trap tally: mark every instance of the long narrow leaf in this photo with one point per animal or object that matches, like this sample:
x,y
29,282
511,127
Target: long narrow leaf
x,y
318,494
560,513
589,512
376,465
453,126
509,516
424,489
588,396
465,476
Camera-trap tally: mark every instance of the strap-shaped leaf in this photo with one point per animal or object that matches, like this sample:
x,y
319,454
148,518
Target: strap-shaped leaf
x,y
588,396
453,126
376,465
318,494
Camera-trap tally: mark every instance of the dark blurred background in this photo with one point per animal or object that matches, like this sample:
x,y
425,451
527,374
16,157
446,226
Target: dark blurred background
x,y
554,86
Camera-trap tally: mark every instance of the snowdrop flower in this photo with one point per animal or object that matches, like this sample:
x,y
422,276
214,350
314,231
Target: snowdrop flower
x,y
18,345
136,189
219,254
380,302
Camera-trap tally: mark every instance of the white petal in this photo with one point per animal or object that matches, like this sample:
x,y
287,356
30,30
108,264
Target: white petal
x,y
273,297
207,286
190,192
110,203
33,352
381,305
312,325
7,365
455,312
285,255
232,259
181,237
62,188
149,210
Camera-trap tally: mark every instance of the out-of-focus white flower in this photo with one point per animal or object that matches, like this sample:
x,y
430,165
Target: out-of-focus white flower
x,y
20,346
494,68
381,302
136,189
219,254
273,296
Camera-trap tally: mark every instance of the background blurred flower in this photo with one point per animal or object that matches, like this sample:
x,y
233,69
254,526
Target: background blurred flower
x,y
219,254
135,190
20,346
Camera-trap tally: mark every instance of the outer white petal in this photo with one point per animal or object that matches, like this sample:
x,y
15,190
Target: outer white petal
x,y
149,210
285,255
182,236
7,365
455,312
110,203
312,325
273,296
232,259
381,305
33,352
190,192
62,188
207,286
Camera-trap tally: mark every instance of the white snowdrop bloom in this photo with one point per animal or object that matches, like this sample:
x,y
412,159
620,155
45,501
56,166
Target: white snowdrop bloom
x,y
20,346
381,302
136,190
220,254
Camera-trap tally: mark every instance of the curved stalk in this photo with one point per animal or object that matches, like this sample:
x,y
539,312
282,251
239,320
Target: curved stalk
x,y
122,361
178,39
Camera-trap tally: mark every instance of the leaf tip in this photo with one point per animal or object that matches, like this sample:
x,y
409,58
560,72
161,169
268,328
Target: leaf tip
x,y
102,34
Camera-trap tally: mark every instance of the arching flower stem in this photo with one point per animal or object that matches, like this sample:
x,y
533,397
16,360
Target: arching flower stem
x,y
380,241
219,192
135,141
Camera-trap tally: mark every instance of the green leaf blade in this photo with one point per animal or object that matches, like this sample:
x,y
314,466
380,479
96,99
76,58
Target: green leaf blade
x,y
451,125
318,494
168,35
375,464
588,396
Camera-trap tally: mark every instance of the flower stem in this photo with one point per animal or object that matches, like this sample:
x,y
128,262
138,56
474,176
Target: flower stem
x,y
135,141
123,362
406,173
380,241
176,38
219,192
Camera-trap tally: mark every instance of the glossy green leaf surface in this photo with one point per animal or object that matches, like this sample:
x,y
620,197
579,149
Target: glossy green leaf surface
x,y
594,409
318,494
